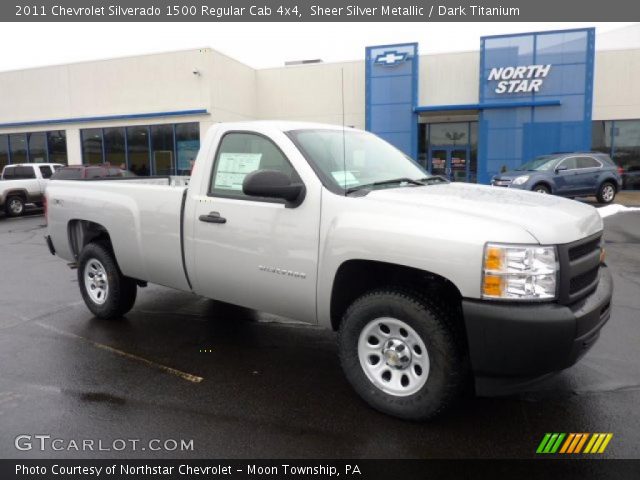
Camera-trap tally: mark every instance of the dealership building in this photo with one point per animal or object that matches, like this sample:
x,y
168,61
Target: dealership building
x,y
465,115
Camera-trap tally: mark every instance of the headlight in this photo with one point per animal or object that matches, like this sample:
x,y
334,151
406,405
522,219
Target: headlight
x,y
520,180
519,272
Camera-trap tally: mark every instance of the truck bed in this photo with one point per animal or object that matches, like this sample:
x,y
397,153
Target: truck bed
x,y
142,215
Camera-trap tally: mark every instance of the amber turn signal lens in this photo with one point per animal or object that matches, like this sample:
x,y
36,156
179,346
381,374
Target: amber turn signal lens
x,y
493,258
493,285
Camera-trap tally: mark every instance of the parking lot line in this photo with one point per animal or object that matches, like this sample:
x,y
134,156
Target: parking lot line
x,y
178,373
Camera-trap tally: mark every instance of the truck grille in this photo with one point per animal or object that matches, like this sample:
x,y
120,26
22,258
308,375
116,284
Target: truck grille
x,y
584,249
583,280
579,268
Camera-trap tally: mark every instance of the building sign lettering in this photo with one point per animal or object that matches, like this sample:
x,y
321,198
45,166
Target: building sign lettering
x,y
522,79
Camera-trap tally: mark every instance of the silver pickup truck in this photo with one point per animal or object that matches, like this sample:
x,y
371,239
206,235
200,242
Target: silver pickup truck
x,y
24,183
430,284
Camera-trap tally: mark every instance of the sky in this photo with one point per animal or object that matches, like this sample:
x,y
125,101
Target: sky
x,y
259,45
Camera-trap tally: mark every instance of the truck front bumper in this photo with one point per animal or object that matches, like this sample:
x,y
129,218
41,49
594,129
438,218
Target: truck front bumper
x,y
512,344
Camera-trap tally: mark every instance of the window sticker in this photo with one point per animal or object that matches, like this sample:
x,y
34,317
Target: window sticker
x,y
233,167
345,178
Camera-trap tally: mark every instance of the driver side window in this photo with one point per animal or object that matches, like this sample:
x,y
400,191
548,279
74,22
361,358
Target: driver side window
x,y
238,155
569,163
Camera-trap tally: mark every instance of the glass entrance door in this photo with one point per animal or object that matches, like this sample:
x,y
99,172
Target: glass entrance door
x,y
451,162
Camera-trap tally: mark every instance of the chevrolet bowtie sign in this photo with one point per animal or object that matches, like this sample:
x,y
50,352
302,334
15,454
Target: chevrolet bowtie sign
x,y
391,58
527,79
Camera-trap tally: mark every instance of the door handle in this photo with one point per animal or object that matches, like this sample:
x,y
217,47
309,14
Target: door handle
x,y
213,217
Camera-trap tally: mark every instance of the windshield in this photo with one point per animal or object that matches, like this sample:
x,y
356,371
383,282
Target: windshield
x,y
542,163
347,160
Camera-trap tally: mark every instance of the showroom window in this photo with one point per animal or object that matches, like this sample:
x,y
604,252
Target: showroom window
x,y
57,144
621,140
33,147
138,150
4,151
162,154
166,149
18,148
187,146
115,147
37,142
92,146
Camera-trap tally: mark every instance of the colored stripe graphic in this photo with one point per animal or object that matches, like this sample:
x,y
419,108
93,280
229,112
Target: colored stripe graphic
x,y
581,443
544,441
574,443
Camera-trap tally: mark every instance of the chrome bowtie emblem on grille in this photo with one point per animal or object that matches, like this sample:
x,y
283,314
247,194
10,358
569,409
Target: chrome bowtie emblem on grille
x,y
282,271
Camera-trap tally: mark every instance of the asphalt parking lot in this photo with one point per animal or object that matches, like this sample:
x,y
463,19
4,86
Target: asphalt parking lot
x,y
269,388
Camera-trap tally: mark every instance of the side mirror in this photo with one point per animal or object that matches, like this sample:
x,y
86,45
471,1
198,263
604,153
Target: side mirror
x,y
561,168
273,184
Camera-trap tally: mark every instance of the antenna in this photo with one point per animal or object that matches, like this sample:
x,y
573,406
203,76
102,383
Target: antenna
x,y
344,146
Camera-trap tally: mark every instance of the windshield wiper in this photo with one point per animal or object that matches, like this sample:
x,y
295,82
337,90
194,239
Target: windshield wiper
x,y
385,182
434,179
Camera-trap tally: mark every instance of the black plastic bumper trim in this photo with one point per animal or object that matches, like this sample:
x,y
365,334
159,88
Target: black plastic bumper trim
x,y
526,341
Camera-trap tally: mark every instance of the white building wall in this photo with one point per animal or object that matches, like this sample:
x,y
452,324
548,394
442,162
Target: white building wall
x,y
616,93
449,79
313,93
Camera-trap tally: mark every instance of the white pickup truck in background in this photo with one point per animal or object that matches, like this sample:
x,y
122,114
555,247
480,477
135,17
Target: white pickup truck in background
x,y
429,283
24,183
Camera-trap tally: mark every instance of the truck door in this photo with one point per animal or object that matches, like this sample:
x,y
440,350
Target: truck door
x,y
253,251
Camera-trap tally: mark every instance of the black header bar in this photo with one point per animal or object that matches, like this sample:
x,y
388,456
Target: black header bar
x,y
317,11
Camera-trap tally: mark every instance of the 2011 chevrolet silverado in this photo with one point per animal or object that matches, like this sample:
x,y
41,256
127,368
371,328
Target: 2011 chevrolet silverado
x,y
428,283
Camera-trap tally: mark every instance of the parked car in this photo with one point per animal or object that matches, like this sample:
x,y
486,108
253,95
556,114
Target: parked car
x,y
426,281
82,172
566,174
24,183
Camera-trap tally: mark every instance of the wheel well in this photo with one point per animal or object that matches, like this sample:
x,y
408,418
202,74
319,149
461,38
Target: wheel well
x,y
611,181
356,277
83,232
17,193
545,183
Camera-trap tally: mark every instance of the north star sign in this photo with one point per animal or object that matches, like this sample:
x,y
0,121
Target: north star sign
x,y
527,79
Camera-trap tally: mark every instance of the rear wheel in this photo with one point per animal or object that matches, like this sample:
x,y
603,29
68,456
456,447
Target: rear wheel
x,y
606,193
402,353
14,206
105,291
542,188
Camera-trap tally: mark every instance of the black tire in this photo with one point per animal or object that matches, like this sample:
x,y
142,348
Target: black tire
x,y
121,293
541,188
442,335
606,192
14,206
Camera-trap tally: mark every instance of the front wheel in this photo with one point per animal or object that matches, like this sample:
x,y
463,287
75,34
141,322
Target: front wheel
x,y
105,290
541,188
402,353
14,206
606,193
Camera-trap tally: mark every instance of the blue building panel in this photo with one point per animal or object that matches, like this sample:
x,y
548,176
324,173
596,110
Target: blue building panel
x,y
392,94
534,67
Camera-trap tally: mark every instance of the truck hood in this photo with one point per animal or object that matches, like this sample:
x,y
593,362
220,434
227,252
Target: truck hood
x,y
550,219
